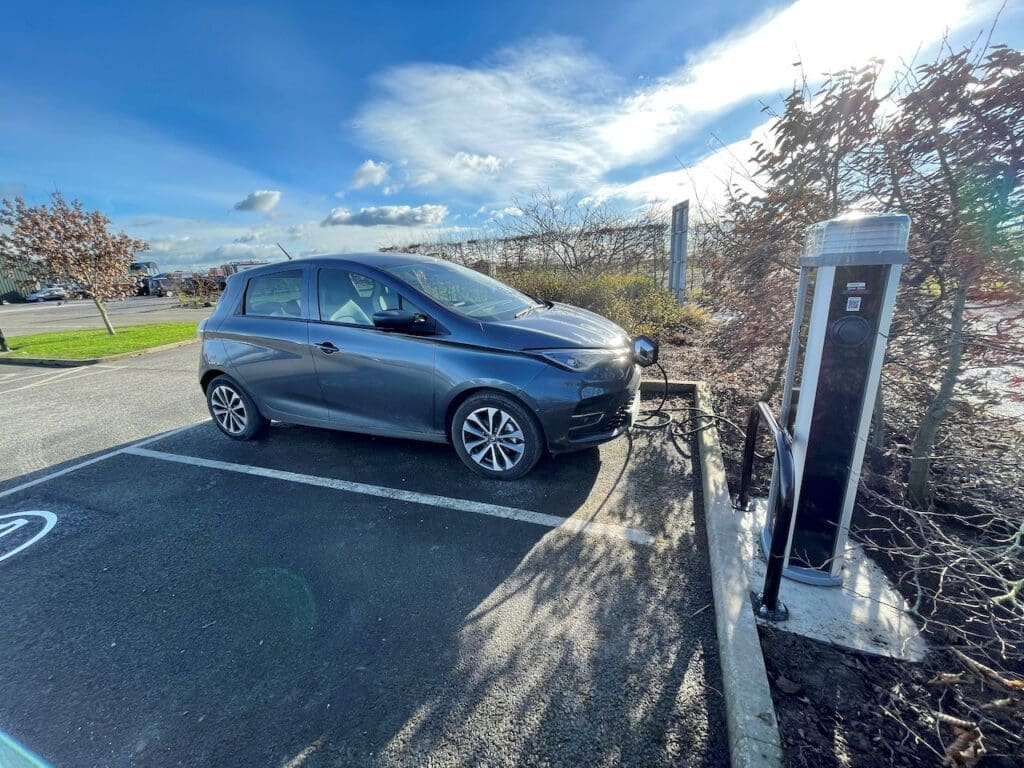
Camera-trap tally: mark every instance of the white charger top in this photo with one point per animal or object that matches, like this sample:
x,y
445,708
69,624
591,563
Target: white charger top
x,y
857,239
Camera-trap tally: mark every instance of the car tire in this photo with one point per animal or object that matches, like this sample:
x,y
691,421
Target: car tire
x,y
233,410
496,436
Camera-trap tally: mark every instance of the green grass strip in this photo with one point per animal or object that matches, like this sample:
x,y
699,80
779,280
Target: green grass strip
x,y
84,345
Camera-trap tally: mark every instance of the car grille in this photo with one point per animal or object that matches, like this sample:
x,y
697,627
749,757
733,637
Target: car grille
x,y
612,418
618,418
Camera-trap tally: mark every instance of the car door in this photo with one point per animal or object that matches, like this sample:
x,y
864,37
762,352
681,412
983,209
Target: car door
x,y
266,342
373,380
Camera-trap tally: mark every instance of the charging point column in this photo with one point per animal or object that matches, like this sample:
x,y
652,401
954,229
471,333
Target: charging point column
x,y
854,267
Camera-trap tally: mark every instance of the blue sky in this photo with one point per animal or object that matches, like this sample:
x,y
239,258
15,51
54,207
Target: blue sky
x,y
214,130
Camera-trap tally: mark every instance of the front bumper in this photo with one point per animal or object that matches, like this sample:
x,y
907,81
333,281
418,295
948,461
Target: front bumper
x,y
579,412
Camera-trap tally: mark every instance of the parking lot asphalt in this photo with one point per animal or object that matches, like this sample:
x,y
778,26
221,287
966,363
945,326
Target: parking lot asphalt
x,y
52,415
78,314
323,599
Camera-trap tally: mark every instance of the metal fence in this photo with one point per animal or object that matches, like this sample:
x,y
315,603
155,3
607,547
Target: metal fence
x,y
668,253
635,249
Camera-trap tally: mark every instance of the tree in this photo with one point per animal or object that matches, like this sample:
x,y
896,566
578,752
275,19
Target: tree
x,y
581,238
585,237
943,144
811,169
956,157
65,241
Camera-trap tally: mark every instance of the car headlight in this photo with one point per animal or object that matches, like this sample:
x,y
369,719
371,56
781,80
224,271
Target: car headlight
x,y
582,359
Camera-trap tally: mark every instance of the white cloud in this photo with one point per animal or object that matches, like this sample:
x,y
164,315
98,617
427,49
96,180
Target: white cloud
x,y
421,178
168,244
449,123
705,182
370,174
824,35
243,251
394,215
482,164
568,122
262,200
500,213
211,243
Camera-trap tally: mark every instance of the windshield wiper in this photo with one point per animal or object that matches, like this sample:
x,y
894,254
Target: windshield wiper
x,y
528,310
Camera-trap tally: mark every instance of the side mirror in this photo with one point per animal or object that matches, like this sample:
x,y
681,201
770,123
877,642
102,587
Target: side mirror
x,y
394,319
645,351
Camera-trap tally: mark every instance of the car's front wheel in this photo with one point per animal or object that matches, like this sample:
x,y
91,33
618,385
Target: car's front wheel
x,y
233,410
496,436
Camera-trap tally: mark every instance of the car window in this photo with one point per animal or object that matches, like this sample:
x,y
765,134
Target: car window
x,y
349,297
275,295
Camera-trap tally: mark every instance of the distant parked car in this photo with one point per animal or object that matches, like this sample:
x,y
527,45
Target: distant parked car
x,y
415,347
47,294
156,286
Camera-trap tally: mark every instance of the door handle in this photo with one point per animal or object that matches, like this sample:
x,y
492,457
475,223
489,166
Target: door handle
x,y
327,348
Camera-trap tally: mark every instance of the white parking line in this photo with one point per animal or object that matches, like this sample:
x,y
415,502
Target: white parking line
x,y
95,459
22,375
49,375
64,375
636,535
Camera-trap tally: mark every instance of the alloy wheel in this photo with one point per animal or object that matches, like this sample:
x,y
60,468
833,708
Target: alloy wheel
x,y
228,409
493,439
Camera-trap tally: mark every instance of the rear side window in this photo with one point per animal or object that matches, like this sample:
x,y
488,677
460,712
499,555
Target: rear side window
x,y
275,295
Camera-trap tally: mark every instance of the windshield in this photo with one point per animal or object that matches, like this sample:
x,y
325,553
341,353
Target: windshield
x,y
465,290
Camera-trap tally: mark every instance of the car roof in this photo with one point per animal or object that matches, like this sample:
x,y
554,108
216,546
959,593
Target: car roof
x,y
378,260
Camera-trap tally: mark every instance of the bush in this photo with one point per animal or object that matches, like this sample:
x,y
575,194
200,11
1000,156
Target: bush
x,y
634,302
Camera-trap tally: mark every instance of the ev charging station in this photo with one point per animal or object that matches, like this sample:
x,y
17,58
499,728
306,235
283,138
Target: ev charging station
x,y
851,269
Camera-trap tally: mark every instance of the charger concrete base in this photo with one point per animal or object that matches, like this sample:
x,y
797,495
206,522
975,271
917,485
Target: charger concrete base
x,y
864,614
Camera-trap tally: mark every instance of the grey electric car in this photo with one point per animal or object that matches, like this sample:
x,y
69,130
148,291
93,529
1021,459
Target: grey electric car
x,y
408,346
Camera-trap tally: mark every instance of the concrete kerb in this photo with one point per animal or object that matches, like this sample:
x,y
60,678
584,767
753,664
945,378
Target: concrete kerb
x,y
750,715
57,362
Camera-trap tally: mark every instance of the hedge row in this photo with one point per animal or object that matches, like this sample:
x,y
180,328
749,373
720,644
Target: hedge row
x,y
634,302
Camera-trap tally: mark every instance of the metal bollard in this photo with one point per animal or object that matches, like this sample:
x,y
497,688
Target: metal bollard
x,y
766,603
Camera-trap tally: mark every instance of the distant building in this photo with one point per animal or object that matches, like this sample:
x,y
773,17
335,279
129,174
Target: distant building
x,y
15,284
